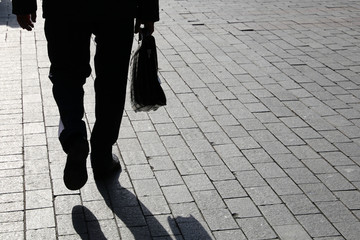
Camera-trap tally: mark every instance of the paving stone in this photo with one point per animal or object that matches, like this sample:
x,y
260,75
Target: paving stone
x,y
283,186
299,204
147,187
257,156
287,161
129,216
337,158
230,189
161,163
236,164
194,230
218,173
277,215
349,198
317,192
177,194
198,182
317,225
189,167
229,234
351,173
153,205
250,179
65,204
263,195
292,232
336,212
269,170
186,212
168,177
301,175
350,230
39,199
242,207
208,200
256,228
319,166
43,233
335,181
219,219
162,225
40,218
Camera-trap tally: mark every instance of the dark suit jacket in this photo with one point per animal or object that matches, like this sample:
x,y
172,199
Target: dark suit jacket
x,y
147,10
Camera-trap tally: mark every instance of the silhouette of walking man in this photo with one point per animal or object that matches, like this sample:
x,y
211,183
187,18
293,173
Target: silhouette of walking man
x,y
68,30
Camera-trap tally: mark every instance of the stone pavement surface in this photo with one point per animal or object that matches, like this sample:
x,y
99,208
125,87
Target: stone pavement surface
x,y
260,138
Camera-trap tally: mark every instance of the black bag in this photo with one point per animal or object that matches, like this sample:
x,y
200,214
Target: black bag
x,y
146,92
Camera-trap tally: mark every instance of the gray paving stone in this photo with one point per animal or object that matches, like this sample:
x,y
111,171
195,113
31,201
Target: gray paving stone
x,y
153,205
219,219
168,178
250,179
256,228
319,166
40,218
257,156
349,198
147,187
161,163
186,212
336,212
302,175
317,225
198,182
291,232
335,181
177,194
189,167
350,230
283,186
263,195
269,170
287,161
208,200
277,215
317,192
351,173
43,233
229,234
242,207
218,173
230,189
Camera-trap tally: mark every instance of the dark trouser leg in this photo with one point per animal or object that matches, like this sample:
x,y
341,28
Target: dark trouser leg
x,y
69,54
114,42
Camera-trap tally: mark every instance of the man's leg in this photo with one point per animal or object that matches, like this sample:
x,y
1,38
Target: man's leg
x,y
69,54
111,65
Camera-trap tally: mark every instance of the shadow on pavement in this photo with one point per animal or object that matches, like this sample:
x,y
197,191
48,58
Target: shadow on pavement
x,y
127,207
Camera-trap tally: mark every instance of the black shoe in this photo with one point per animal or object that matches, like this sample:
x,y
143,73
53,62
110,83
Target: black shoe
x,y
104,169
75,174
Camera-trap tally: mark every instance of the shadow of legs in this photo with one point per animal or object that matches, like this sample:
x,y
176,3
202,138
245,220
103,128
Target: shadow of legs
x,y
126,207
86,224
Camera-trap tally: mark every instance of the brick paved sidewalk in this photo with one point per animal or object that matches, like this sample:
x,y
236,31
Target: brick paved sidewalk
x,y
260,138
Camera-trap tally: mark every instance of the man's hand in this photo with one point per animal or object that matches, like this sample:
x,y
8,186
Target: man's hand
x,y
27,21
148,26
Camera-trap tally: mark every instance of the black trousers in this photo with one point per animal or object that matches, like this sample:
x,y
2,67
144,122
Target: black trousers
x,y
69,54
